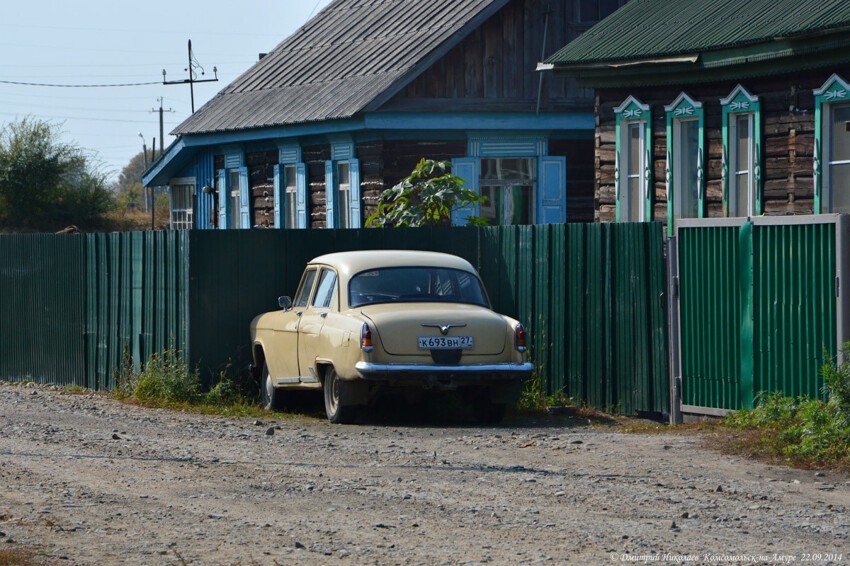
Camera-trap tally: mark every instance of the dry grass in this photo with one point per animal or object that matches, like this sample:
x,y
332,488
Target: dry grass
x,y
18,557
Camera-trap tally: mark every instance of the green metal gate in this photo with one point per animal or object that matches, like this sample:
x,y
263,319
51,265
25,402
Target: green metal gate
x,y
758,308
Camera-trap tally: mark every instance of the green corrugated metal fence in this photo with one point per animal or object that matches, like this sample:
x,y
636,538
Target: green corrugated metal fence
x,y
42,308
136,301
73,306
591,296
757,308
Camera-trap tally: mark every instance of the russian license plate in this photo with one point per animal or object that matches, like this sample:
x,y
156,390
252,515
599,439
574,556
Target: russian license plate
x,y
445,342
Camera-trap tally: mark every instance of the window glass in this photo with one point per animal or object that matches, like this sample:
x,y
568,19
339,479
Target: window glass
x,y
235,201
326,290
415,284
290,197
686,178
508,185
634,152
303,296
839,159
343,194
742,153
182,206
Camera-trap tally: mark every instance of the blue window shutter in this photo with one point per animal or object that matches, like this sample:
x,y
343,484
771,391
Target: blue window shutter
x,y
552,190
467,169
330,195
354,182
278,205
244,199
223,199
301,194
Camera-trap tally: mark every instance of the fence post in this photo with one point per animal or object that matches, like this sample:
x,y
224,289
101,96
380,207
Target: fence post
x,y
674,330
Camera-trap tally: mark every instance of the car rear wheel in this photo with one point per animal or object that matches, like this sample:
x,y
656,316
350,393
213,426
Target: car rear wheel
x,y
337,412
272,396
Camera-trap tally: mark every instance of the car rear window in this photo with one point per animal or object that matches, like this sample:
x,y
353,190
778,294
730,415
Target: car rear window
x,y
416,285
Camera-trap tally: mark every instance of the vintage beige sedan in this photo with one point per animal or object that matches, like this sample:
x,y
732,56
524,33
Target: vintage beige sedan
x,y
366,323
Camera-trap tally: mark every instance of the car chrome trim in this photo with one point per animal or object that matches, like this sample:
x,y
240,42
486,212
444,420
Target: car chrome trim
x,y
444,329
295,380
369,367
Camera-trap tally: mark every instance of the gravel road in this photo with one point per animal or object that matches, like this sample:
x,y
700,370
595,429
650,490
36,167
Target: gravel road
x,y
88,480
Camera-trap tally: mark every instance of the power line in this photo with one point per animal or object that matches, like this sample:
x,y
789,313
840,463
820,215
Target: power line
x,y
77,86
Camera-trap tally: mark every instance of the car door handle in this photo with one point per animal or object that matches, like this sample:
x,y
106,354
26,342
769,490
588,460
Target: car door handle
x,y
323,314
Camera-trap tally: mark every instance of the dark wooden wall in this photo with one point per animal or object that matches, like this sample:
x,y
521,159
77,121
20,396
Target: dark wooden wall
x,y
787,140
493,69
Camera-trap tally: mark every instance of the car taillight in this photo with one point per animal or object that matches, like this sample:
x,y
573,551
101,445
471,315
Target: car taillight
x,y
366,338
519,338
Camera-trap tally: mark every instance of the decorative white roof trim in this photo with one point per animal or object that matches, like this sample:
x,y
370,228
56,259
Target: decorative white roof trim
x,y
631,99
679,99
738,89
662,60
834,78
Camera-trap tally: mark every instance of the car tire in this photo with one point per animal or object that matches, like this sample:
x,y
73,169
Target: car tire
x,y
336,411
272,396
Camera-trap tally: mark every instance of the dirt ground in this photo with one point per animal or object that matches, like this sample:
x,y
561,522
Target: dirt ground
x,y
87,480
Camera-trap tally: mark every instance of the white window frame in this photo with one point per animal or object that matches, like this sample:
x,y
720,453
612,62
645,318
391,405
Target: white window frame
x,y
735,168
182,218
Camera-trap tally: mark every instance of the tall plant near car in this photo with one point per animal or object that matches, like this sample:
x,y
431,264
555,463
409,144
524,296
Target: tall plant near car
x,y
426,197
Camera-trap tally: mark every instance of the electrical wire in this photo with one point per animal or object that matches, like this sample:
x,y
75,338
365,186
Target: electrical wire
x,y
78,86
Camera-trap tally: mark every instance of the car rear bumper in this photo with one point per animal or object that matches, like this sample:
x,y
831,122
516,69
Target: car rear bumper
x,y
459,374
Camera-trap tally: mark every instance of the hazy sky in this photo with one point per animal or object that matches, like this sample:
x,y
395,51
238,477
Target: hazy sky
x,y
107,42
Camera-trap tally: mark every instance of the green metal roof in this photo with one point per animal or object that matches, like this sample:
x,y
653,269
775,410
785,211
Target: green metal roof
x,y
664,30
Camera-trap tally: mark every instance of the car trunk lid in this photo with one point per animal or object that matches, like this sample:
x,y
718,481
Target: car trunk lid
x,y
400,325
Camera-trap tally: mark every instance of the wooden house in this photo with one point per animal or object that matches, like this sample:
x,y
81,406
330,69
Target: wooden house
x,y
717,108
311,135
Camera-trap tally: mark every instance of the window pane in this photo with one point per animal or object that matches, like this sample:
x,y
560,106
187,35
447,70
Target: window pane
x,y
506,169
686,181
235,202
741,198
415,284
839,136
633,200
326,289
343,195
742,147
634,150
489,209
840,188
518,205
290,197
305,288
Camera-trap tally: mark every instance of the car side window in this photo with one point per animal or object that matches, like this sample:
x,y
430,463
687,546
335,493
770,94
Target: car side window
x,y
303,296
326,290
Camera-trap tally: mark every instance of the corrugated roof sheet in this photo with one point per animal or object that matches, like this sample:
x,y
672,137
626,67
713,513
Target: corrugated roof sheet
x,y
660,28
340,61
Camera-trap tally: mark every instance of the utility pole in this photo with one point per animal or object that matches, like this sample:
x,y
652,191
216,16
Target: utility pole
x,y
161,127
193,64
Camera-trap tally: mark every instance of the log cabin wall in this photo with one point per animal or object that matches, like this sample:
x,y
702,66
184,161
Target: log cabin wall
x,y
315,157
261,186
787,139
580,177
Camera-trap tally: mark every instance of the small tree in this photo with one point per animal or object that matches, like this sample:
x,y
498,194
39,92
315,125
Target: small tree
x,y
425,198
45,183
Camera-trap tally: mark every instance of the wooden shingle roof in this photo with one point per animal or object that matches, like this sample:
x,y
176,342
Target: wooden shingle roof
x,y
351,57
